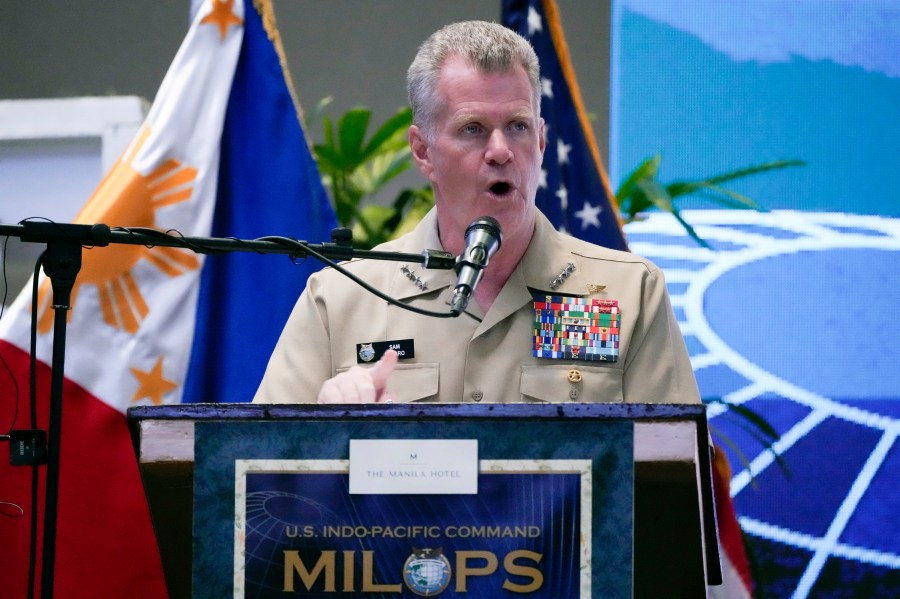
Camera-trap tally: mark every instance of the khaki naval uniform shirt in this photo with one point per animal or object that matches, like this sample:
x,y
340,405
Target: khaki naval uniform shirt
x,y
480,357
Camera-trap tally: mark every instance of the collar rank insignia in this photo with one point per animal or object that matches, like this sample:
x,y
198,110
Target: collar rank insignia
x,y
414,277
576,328
562,276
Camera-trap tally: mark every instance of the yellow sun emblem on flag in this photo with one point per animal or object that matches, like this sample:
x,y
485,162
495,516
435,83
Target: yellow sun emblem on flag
x,y
126,198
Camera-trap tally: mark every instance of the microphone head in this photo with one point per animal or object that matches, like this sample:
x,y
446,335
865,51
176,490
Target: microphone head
x,y
486,224
483,238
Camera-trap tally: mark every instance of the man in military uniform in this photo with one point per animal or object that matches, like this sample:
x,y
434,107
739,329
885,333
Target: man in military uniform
x,y
554,319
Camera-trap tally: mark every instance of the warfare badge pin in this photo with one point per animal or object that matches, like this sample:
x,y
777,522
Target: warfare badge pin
x,y
366,352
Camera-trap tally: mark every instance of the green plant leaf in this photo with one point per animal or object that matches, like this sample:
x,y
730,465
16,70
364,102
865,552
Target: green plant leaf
x,y
328,128
756,426
758,421
647,169
318,110
346,201
753,170
420,201
690,230
715,193
351,133
354,170
391,135
641,191
768,444
729,198
328,158
742,458
376,216
381,169
656,193
636,203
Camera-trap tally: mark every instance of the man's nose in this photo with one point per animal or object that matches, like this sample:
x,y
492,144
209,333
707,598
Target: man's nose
x,y
498,150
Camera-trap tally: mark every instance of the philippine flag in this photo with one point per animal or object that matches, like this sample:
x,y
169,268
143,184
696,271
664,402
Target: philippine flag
x,y
221,153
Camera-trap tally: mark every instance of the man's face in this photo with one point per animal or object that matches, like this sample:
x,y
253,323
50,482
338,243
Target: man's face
x,y
484,157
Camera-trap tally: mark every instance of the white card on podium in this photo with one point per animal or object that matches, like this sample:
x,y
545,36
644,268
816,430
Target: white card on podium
x,y
414,466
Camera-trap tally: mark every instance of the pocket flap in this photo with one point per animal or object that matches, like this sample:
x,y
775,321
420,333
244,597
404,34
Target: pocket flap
x,y
553,384
414,382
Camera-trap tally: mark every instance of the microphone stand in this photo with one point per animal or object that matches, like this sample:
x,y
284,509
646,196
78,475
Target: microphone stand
x,y
62,262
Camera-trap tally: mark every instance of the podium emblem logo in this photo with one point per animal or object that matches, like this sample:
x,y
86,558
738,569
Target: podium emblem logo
x,y
427,572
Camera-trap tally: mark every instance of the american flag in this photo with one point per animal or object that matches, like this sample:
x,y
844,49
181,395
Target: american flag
x,y
574,192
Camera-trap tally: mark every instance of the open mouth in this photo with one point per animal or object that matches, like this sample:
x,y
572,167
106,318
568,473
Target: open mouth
x,y
500,188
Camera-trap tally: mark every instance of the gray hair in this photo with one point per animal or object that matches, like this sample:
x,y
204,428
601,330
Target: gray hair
x,y
490,47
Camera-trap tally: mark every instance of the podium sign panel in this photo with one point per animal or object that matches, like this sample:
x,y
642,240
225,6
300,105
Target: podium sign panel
x,y
552,516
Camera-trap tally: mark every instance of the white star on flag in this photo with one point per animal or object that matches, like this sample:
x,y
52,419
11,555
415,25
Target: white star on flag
x,y
542,183
562,151
546,87
563,196
589,215
534,21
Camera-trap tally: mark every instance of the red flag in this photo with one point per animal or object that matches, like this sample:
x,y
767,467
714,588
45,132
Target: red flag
x,y
736,580
105,546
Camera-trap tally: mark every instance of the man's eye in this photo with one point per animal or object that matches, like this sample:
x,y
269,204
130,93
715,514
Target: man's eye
x,y
471,129
520,126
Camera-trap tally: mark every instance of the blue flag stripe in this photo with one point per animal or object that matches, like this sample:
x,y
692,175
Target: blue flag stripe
x,y
268,185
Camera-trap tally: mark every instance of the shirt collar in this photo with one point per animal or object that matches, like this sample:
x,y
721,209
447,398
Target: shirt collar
x,y
414,280
545,261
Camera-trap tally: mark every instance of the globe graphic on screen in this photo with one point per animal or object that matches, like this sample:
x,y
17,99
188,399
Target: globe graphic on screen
x,y
792,315
272,517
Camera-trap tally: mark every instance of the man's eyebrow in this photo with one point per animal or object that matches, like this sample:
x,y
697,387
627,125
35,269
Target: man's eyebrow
x,y
463,117
525,115
467,117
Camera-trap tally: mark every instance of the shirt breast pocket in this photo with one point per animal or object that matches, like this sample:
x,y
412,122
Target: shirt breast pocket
x,y
566,383
412,382
415,382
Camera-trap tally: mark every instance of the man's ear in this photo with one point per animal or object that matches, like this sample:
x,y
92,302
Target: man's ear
x,y
419,147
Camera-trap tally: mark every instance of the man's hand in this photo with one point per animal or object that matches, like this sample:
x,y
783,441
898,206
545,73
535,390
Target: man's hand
x,y
361,385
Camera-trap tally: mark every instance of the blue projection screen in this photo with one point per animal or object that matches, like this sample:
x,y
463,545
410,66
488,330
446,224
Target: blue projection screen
x,y
793,313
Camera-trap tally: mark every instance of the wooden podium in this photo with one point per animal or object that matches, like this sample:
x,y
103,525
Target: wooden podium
x,y
675,549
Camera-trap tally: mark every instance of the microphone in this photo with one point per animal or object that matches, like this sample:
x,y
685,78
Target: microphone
x,y
483,239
